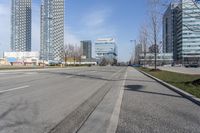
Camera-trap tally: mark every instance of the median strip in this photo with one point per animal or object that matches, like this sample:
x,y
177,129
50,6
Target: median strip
x,y
73,122
115,115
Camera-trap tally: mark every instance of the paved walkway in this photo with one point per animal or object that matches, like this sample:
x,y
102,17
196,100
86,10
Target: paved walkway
x,y
149,107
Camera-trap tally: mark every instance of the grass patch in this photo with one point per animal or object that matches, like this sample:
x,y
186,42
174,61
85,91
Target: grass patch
x,y
188,83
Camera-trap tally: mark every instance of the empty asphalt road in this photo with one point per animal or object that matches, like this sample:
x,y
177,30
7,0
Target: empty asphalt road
x,y
91,100
35,101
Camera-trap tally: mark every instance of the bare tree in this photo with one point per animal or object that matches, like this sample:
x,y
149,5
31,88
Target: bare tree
x,y
77,53
69,52
143,39
66,53
155,23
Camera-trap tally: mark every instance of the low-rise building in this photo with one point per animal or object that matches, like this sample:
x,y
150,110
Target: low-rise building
x,y
162,59
3,61
22,58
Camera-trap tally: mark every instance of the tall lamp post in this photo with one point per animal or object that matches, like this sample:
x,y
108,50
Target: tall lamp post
x,y
131,60
134,49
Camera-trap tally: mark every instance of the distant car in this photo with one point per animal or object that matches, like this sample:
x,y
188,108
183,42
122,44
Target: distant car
x,y
176,65
167,65
136,65
192,65
54,63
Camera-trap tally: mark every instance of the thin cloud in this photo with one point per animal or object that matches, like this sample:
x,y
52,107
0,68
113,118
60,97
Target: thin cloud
x,y
35,26
71,38
4,27
96,18
3,10
96,23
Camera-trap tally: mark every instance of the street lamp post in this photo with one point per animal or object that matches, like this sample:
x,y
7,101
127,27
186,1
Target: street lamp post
x,y
134,51
131,60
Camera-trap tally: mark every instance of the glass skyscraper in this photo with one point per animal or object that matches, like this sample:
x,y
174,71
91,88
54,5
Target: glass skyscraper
x,y
189,49
86,49
168,28
182,32
21,25
52,30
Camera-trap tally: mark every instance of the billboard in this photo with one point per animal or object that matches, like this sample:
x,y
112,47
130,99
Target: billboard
x,y
11,59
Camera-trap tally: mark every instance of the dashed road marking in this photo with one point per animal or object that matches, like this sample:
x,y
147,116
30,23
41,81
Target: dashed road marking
x,y
13,89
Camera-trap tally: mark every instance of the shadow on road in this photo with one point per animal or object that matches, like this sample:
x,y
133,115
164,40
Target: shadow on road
x,y
76,75
150,81
21,117
93,76
138,88
87,75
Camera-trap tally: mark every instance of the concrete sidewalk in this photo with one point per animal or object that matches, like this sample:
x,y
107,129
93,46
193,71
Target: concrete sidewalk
x,y
149,107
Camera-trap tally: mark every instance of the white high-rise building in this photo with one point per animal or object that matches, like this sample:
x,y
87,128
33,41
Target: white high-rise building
x,y
106,48
52,30
21,25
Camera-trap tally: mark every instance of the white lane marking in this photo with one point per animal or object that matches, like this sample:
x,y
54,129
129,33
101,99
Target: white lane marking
x,y
13,89
15,77
3,73
6,73
69,76
31,73
93,71
116,112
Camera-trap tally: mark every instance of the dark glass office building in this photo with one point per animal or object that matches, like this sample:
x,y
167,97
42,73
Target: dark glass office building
x,y
181,32
86,49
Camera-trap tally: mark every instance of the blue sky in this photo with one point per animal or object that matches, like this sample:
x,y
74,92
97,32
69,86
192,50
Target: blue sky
x,y
91,19
87,20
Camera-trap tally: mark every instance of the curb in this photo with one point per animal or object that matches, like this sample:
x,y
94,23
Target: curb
x,y
175,89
